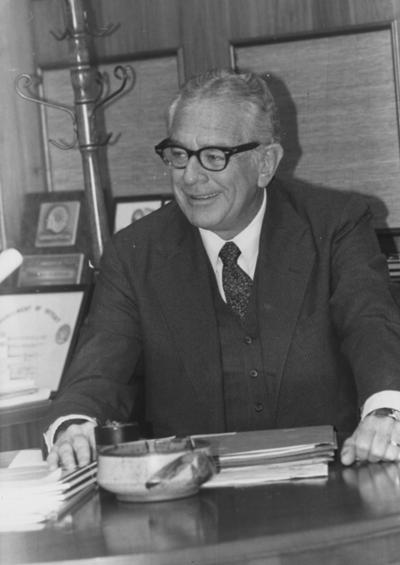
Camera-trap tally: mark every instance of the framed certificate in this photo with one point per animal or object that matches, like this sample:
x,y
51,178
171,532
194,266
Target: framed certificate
x,y
38,328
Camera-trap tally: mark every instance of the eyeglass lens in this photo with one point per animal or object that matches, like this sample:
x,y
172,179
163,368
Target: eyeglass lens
x,y
210,158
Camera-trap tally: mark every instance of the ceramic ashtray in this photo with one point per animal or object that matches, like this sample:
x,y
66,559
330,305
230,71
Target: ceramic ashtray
x,y
157,469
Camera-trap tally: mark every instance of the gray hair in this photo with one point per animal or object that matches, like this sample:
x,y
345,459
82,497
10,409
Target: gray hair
x,y
248,90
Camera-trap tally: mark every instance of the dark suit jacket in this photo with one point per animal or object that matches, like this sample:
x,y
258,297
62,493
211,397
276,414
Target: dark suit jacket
x,y
326,316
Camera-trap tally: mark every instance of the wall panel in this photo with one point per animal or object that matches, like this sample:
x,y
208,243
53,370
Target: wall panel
x,y
341,106
261,19
136,119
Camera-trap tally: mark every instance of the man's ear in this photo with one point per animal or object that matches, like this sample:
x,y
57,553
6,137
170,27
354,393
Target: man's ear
x,y
270,159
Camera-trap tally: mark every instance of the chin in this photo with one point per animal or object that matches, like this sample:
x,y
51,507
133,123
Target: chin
x,y
200,221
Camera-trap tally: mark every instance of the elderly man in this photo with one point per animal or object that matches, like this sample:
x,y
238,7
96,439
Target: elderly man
x,y
252,304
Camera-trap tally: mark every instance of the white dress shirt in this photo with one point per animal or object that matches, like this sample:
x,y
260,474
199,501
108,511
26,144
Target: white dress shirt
x,y
247,240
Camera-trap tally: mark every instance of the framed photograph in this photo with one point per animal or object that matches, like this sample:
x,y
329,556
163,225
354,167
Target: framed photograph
x,y
130,209
51,269
39,329
57,223
54,222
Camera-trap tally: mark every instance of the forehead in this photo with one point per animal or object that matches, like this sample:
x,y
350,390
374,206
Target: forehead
x,y
209,122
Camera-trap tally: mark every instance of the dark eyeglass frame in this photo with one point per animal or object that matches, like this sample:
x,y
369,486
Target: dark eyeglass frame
x,y
227,151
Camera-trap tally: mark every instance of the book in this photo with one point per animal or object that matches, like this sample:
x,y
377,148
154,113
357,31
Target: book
x,y
262,474
257,457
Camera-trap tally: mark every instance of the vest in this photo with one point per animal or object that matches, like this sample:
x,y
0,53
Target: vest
x,y
245,386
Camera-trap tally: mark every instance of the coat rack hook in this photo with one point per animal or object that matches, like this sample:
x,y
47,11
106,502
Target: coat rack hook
x,y
24,82
61,35
64,145
103,31
122,73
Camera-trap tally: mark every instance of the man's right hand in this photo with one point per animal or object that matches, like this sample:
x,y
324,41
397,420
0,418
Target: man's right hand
x,y
74,447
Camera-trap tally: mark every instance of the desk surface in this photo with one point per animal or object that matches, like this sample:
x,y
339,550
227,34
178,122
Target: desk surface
x,y
352,517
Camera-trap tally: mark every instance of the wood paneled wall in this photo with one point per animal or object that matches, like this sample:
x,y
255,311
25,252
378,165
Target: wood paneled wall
x,y
201,34
203,29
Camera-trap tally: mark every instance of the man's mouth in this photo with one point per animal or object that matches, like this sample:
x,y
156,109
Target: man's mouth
x,y
202,196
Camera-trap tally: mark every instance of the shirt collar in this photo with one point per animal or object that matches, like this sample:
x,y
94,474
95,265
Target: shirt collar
x,y
247,240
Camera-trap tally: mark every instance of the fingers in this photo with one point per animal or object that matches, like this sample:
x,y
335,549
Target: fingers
x,y
74,447
53,459
375,439
348,454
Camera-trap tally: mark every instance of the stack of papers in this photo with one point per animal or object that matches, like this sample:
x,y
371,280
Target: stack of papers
x,y
34,494
257,457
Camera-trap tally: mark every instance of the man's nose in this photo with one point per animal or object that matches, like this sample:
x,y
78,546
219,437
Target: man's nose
x,y
194,171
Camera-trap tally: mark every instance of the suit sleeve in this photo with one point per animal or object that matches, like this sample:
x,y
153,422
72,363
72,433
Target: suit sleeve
x,y
365,315
99,381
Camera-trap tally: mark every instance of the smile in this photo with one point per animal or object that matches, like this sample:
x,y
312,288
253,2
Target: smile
x,y
203,196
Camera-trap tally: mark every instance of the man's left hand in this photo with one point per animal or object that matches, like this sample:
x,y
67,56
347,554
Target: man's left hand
x,y
376,438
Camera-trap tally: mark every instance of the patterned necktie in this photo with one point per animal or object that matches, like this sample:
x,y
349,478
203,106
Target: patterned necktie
x,y
237,284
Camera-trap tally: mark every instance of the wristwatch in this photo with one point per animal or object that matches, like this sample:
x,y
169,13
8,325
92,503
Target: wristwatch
x,y
386,412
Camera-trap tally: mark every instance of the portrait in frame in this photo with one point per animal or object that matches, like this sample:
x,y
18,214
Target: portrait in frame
x,y
57,223
130,209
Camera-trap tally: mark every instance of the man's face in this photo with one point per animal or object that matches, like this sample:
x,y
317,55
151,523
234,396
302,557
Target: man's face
x,y
226,201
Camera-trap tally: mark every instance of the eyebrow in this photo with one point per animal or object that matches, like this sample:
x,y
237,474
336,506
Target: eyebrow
x,y
223,144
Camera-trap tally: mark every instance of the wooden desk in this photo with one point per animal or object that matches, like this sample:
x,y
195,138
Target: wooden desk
x,y
353,517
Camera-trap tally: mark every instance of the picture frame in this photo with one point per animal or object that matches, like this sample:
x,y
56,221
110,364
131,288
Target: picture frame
x,y
57,223
54,222
128,209
39,327
51,269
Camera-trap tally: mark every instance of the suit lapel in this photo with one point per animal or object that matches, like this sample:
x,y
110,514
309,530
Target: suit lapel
x,y
286,258
186,299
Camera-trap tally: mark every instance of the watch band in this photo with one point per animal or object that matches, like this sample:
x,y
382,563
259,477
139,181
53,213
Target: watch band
x,y
386,413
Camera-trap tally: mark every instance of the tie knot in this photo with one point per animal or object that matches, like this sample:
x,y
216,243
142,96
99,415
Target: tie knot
x,y
229,253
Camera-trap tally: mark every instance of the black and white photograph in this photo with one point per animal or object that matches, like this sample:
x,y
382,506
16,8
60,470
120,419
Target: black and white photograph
x,y
200,282
57,224
128,210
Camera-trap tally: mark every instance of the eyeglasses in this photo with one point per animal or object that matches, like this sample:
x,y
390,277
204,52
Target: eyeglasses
x,y
211,158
